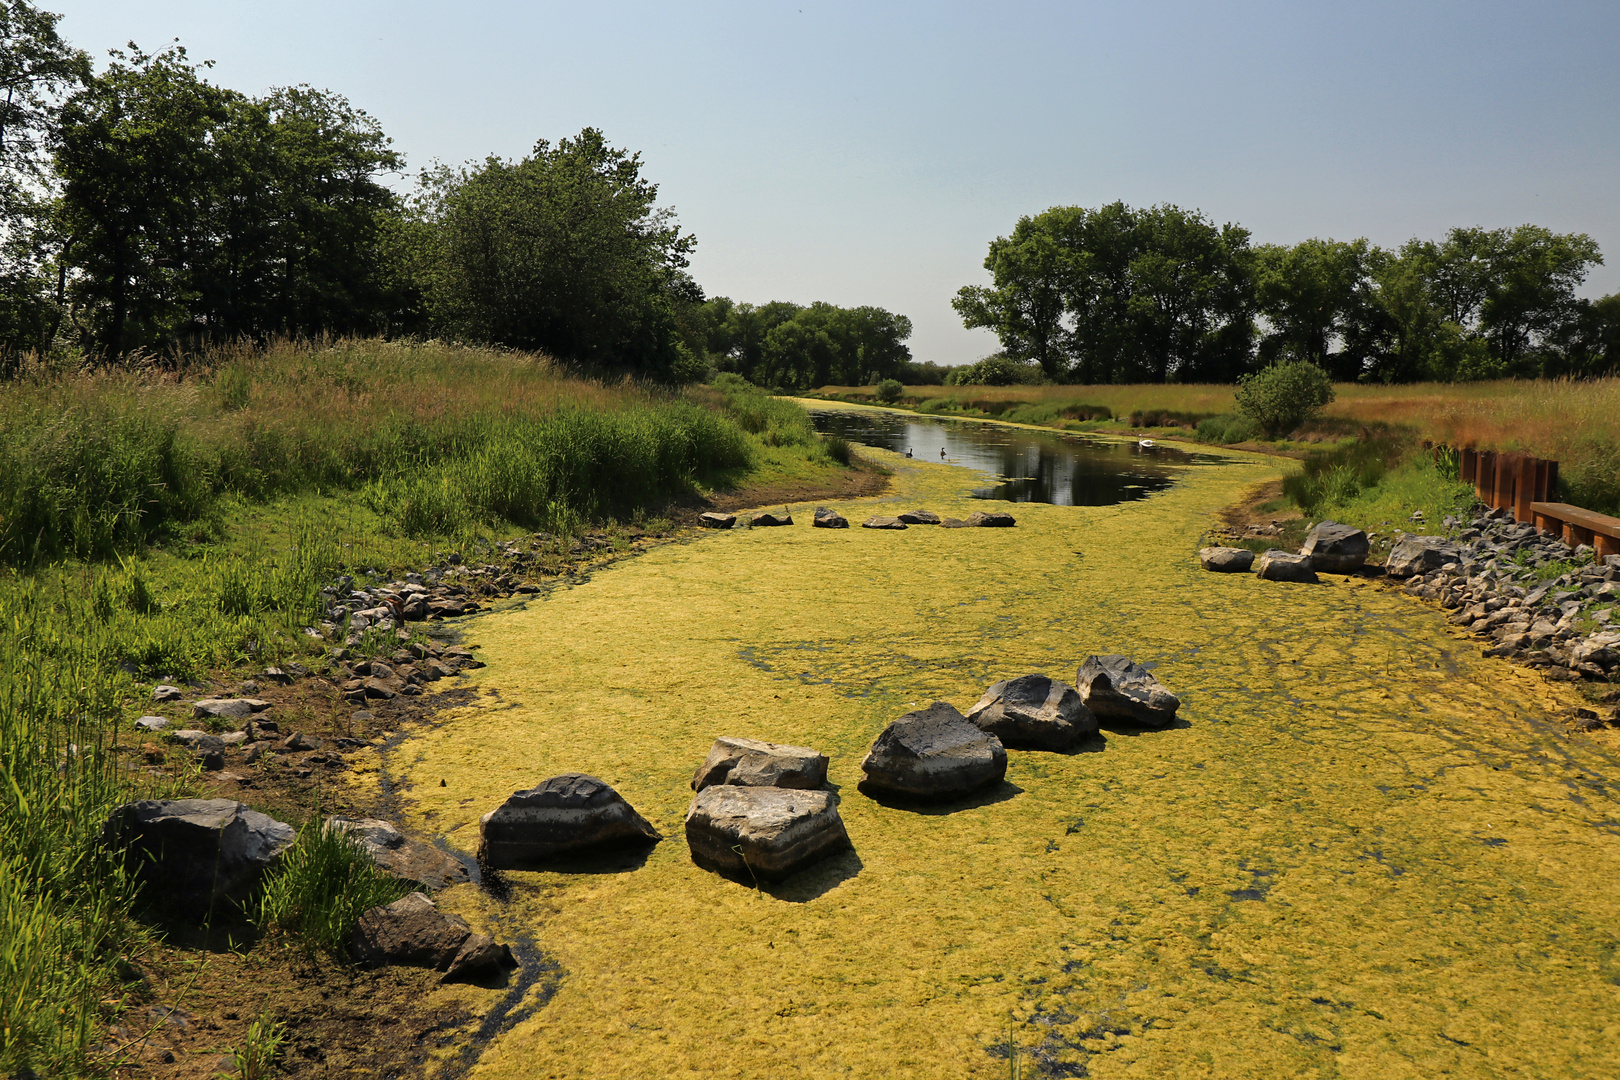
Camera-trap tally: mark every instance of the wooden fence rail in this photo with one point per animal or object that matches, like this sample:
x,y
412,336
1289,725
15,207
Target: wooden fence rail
x,y
1526,486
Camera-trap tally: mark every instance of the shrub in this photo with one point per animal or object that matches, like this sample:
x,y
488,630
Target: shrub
x,y
1226,429
324,883
889,390
1281,397
838,449
998,369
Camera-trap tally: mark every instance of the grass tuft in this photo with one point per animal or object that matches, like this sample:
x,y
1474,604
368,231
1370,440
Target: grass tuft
x,y
324,883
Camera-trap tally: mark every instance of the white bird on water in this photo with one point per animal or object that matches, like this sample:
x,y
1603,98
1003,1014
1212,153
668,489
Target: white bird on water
x,y
1146,444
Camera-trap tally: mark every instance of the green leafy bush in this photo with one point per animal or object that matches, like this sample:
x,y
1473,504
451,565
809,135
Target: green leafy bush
x,y
1227,428
1281,397
838,449
889,390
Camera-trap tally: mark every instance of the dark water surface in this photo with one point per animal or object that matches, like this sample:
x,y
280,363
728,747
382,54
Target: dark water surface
x,y
1062,468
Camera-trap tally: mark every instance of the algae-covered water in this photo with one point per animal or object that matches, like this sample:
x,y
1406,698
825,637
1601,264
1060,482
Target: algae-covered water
x,y
1365,853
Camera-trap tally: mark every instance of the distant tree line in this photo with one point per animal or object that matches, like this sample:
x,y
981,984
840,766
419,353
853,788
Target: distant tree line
x,y
145,209
1126,295
792,347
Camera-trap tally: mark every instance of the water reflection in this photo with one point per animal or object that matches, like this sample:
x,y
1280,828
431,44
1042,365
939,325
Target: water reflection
x,y
1062,468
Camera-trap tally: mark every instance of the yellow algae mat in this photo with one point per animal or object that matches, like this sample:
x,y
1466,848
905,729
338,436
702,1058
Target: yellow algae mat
x,y
1365,853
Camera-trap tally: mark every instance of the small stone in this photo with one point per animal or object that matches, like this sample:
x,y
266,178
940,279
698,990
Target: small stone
x,y
232,708
151,723
1226,560
480,957
713,520
829,519
408,859
167,693
299,741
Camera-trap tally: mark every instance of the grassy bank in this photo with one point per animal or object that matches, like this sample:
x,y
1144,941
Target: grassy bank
x,y
161,525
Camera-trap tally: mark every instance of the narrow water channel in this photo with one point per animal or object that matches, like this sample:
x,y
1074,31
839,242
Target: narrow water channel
x,y
1364,851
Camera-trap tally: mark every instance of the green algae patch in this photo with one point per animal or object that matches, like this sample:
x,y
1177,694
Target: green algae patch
x,y
1362,852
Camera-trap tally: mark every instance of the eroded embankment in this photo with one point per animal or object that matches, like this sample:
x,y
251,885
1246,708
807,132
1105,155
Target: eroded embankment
x,y
1365,853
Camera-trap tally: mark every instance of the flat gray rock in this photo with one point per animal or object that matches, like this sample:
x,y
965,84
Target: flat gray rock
x,y
1276,565
762,832
881,521
1335,548
167,693
410,860
199,740
1419,555
1033,712
568,815
232,708
933,753
1114,687
920,517
710,519
193,855
151,723
829,519
1226,560
752,763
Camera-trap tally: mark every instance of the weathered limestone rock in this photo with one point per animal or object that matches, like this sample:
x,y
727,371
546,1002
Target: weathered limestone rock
x,y
1114,687
762,521
1277,565
766,832
829,519
233,708
752,763
151,723
405,858
1419,555
1226,560
712,520
571,814
933,753
196,854
1033,712
995,519
920,517
1335,548
880,521
411,931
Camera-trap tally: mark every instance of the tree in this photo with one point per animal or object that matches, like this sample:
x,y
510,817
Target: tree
x,y
1283,396
1318,299
1119,295
783,344
37,70
563,251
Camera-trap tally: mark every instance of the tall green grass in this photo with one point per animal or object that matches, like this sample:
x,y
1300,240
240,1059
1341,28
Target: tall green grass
x,y
91,465
324,883
1379,481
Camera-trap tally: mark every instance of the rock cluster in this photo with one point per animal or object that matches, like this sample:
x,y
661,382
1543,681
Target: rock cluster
x,y
413,932
1493,578
761,810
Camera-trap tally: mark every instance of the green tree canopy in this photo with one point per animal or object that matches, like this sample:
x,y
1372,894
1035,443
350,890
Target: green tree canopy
x,y
563,251
794,347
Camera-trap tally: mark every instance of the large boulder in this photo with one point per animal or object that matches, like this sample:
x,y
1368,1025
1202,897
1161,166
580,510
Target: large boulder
x,y
1335,548
882,521
571,814
933,753
829,519
411,931
766,520
712,519
1226,560
196,855
1420,555
920,517
766,832
995,519
752,763
1116,688
1033,712
1277,565
410,860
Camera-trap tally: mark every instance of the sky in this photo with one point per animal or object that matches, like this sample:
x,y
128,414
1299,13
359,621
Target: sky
x,y
867,153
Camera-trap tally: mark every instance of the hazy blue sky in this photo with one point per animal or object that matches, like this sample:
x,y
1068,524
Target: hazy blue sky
x,y
868,152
